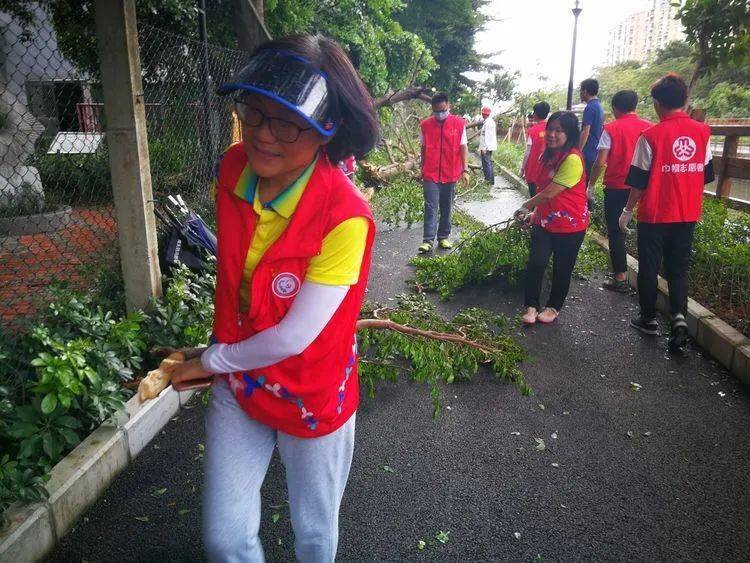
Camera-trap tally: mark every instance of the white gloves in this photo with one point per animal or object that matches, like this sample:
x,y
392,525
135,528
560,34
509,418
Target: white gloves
x,y
625,218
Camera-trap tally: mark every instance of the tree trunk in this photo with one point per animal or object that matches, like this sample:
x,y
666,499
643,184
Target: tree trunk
x,y
249,25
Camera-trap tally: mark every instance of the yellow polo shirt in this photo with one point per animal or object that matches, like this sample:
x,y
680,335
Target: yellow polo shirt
x,y
570,171
340,258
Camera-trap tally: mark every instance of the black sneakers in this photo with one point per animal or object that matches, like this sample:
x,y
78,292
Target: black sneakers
x,y
646,326
679,333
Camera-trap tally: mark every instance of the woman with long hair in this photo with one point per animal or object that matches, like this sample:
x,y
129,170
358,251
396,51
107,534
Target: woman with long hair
x,y
559,216
294,243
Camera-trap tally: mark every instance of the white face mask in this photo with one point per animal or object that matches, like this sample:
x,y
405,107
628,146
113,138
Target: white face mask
x,y
440,115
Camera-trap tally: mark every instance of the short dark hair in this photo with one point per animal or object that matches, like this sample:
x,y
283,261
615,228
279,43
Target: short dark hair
x,y
351,104
439,98
670,91
541,109
625,101
590,85
569,123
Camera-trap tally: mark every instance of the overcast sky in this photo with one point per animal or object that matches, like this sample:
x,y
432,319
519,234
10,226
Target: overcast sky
x,y
535,36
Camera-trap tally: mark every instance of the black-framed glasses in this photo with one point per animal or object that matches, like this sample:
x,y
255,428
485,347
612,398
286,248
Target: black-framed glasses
x,y
282,130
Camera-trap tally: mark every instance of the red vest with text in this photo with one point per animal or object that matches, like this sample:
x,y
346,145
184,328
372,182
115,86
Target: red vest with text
x,y
442,149
675,185
568,211
624,132
317,391
533,166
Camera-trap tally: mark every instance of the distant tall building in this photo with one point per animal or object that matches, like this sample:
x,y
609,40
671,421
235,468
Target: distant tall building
x,y
639,35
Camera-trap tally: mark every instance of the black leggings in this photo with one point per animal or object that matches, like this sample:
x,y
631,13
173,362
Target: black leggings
x,y
564,250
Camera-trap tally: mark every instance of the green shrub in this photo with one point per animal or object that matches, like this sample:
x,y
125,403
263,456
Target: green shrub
x,y
184,315
74,178
62,377
509,155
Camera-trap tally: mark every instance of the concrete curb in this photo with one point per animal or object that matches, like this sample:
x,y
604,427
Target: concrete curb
x,y
83,475
723,342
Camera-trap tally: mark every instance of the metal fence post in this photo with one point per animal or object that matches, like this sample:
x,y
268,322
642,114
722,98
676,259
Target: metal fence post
x,y
117,39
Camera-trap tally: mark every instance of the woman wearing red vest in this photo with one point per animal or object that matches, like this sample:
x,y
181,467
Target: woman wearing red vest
x,y
294,243
559,214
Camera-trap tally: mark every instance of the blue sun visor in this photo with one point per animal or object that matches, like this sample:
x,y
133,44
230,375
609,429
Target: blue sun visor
x,y
291,81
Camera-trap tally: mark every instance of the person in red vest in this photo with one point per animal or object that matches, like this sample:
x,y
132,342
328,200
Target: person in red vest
x,y
294,244
671,164
530,167
616,148
445,160
559,217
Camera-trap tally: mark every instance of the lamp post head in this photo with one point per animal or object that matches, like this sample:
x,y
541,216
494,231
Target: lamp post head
x,y
577,11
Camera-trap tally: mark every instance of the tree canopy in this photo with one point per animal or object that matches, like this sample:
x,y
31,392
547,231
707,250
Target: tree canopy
x,y
719,30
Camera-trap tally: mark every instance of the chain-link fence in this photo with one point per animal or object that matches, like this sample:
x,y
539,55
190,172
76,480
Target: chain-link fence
x,y
188,125
56,216
57,219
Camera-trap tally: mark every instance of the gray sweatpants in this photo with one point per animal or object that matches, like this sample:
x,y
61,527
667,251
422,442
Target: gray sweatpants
x,y
238,452
437,196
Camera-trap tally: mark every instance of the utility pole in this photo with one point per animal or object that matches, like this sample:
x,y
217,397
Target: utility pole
x,y
117,39
576,12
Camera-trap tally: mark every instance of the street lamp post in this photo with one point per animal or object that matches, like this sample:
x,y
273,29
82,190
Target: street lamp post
x,y
576,12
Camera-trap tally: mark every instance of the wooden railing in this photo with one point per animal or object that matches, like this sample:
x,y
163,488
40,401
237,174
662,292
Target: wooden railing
x,y
729,165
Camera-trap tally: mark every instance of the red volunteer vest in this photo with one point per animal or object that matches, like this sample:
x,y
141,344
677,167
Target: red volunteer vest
x,y
442,149
317,391
675,186
533,166
624,132
568,212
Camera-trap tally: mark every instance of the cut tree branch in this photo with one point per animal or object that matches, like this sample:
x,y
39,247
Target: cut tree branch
x,y
410,93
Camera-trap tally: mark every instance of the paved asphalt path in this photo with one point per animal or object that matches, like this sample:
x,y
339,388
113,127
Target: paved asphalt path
x,y
661,473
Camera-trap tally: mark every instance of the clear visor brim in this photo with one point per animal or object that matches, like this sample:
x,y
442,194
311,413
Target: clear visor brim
x,y
289,80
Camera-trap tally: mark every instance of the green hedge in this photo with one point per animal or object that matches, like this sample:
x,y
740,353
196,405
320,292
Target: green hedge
x,y
63,376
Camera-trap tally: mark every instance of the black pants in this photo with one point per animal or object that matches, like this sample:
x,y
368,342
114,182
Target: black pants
x,y
564,250
589,164
614,202
532,189
488,167
673,241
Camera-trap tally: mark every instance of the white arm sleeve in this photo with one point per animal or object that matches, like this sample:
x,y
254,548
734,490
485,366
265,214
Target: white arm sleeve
x,y
605,141
643,155
491,140
313,307
709,152
464,139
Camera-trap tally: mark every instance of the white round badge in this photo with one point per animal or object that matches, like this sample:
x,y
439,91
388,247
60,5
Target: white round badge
x,y
683,148
285,285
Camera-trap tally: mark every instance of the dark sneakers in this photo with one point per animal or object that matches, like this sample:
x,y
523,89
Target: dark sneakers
x,y
617,285
646,326
679,333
